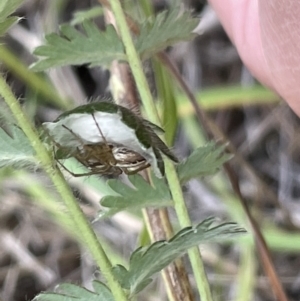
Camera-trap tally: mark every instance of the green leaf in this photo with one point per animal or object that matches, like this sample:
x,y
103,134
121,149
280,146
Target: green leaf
x,y
16,150
88,14
72,47
71,292
6,119
164,30
146,261
95,47
7,7
203,161
6,24
166,94
141,195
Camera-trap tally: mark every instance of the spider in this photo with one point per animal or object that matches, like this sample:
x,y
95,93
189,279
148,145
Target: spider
x,y
107,159
102,158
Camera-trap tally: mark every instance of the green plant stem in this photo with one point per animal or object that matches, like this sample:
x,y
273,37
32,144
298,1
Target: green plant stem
x,y
31,79
134,61
171,174
147,220
184,221
83,227
245,281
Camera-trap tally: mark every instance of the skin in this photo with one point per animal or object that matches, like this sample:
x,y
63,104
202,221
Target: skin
x,y
266,34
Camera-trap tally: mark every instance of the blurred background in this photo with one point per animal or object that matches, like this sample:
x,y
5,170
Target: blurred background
x,y
37,251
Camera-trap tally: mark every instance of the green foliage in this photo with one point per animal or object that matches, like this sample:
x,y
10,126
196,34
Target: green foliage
x,y
15,150
88,14
166,95
71,292
164,30
141,195
146,261
226,97
95,47
204,161
6,24
7,7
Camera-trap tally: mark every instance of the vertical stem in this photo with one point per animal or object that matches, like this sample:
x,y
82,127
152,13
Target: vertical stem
x,y
83,227
171,174
134,61
31,79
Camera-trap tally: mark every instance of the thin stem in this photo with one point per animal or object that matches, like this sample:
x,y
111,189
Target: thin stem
x,y
31,79
171,174
83,227
151,227
184,221
134,61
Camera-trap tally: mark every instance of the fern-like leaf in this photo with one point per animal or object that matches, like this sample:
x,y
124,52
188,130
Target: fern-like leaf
x,y
15,150
164,30
72,292
141,195
72,47
204,161
146,261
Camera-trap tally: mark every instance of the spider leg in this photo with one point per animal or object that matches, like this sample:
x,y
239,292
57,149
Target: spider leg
x,y
83,155
55,144
99,129
107,170
111,159
87,150
138,169
58,146
69,171
74,134
103,169
95,171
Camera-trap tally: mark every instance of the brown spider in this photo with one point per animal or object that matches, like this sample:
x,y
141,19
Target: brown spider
x,y
102,158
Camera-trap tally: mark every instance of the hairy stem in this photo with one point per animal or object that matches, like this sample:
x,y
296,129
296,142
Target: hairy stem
x,y
171,174
80,222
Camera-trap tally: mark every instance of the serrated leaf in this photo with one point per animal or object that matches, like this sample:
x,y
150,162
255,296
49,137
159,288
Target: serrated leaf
x,y
16,150
88,14
204,161
167,28
141,195
7,7
71,292
95,47
146,261
72,47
